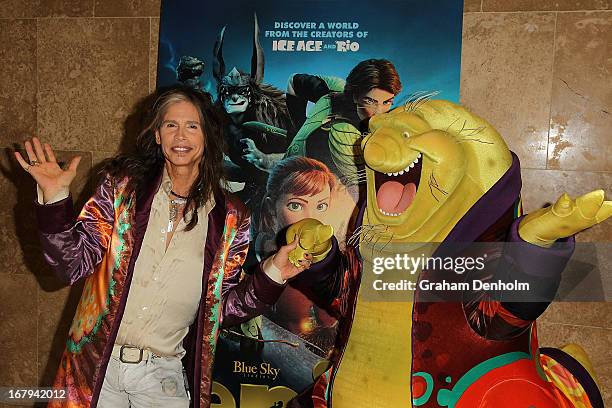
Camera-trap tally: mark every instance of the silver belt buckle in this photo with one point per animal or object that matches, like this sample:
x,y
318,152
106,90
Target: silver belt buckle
x,y
130,348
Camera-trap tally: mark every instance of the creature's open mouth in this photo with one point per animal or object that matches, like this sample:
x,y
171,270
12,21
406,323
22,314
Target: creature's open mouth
x,y
396,191
237,103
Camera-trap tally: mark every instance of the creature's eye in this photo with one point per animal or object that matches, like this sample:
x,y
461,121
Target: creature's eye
x,y
322,207
388,103
406,134
294,206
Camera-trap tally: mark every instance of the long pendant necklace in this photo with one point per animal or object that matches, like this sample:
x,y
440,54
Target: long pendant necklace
x,y
175,205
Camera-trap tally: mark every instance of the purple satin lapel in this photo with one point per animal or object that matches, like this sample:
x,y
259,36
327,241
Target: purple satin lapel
x,y
216,222
490,207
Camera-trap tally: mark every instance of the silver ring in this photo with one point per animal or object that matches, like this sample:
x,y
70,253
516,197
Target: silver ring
x,y
34,163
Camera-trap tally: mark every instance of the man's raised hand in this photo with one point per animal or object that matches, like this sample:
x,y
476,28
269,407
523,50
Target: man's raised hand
x,y
43,167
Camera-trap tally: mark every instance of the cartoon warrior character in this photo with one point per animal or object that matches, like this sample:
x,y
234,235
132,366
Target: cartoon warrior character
x,y
329,131
245,98
439,174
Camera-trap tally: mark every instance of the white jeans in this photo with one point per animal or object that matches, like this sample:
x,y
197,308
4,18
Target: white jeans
x,y
154,382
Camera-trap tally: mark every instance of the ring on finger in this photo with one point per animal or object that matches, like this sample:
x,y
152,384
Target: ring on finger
x,y
28,168
34,162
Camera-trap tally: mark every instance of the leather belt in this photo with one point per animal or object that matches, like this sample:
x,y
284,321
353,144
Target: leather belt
x,y
131,354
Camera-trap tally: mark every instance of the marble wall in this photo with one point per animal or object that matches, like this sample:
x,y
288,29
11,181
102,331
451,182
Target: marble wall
x,y
72,70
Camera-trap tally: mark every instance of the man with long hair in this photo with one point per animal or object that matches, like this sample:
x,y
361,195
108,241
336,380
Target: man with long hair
x,y
160,246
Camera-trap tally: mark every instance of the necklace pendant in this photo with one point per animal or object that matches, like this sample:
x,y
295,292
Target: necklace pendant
x,y
170,226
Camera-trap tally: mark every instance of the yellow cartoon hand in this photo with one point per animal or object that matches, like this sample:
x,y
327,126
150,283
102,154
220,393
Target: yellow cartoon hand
x,y
314,241
564,218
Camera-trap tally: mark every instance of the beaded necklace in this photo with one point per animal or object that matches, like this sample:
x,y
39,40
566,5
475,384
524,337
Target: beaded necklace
x,y
175,205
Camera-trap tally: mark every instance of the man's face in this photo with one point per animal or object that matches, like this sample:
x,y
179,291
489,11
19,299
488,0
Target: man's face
x,y
374,102
181,135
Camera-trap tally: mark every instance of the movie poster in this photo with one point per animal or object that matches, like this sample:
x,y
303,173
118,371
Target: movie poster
x,y
279,70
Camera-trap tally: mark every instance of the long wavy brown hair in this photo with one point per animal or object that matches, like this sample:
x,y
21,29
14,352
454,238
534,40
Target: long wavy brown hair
x,y
147,160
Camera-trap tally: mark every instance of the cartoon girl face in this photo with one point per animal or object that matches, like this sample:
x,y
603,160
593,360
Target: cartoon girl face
x,y
291,208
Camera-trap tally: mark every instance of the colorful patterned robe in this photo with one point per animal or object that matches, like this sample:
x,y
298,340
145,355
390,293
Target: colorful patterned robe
x,y
102,246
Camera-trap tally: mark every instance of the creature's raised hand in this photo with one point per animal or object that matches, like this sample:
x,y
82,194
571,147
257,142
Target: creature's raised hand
x,y
564,218
253,155
45,170
314,240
